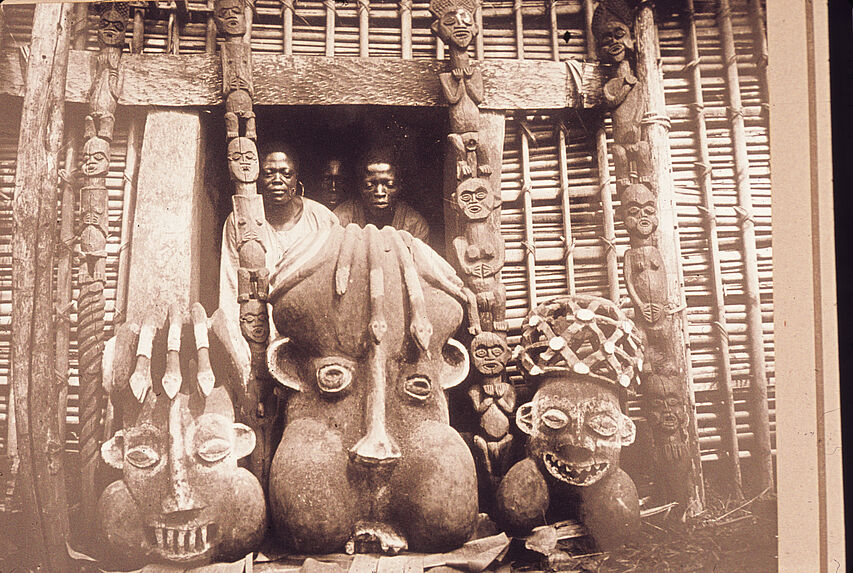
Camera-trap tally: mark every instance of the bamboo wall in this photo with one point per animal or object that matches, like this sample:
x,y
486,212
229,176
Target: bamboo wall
x,y
557,234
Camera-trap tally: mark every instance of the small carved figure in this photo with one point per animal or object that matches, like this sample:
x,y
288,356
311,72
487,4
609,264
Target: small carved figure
x,y
378,203
368,460
494,400
238,88
582,353
182,497
479,250
645,274
106,87
612,25
94,165
462,86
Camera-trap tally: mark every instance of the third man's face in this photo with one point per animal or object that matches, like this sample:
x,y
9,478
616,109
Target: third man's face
x,y
278,178
379,187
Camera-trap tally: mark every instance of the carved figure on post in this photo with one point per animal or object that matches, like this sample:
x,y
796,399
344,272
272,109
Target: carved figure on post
x,y
645,274
612,26
182,498
582,353
236,54
106,86
479,250
368,460
462,86
493,398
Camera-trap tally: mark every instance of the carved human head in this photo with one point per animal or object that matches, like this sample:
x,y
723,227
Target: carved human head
x,y
455,23
474,199
489,353
112,24
639,210
611,26
230,17
279,174
665,408
243,160
182,498
95,159
379,186
254,320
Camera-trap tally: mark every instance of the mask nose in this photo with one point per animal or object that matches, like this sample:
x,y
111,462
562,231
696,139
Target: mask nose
x,y
376,447
178,495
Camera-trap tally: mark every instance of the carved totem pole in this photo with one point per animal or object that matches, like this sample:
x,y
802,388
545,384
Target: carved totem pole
x,y
257,405
478,249
639,181
91,252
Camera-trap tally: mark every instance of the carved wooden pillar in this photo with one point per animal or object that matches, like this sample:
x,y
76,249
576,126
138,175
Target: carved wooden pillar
x,y
634,93
41,479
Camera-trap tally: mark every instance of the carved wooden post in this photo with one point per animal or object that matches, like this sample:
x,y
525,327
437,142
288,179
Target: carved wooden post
x,y
41,479
91,275
477,250
634,93
257,405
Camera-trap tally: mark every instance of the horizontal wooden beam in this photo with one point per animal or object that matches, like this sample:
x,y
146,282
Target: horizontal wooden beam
x,y
195,80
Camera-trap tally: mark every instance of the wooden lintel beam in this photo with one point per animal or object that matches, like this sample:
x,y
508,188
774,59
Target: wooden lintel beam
x,y
195,80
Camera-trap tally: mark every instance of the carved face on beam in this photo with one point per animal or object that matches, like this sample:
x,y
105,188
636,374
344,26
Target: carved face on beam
x,y
489,353
95,159
182,498
379,188
457,27
230,17
243,160
639,211
279,177
474,199
576,429
368,440
615,43
111,27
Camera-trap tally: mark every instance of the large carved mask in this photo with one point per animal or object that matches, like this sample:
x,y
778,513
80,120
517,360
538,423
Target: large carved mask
x,y
368,458
182,497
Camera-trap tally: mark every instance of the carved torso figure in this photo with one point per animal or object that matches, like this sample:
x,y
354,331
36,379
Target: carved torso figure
x,y
106,86
236,56
368,459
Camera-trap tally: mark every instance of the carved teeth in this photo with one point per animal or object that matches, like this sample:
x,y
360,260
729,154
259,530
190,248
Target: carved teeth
x,y
170,538
203,530
191,539
181,538
158,533
571,474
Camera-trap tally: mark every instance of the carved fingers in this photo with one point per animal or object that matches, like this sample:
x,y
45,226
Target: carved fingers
x,y
205,377
140,380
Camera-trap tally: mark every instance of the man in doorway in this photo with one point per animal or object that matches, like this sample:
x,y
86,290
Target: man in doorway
x,y
378,201
289,217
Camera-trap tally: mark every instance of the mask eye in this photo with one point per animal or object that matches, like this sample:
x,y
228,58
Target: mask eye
x,y
603,424
418,387
142,457
333,378
555,419
214,450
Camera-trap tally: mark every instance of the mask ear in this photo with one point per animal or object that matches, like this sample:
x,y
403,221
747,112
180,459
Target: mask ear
x,y
434,27
281,364
244,440
113,450
524,418
628,431
456,364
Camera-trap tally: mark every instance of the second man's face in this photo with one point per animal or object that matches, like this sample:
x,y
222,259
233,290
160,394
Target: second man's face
x,y
278,178
379,187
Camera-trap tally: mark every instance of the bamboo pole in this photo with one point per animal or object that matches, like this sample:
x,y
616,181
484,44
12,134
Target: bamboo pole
x,y
519,29
555,39
727,430
480,46
529,240
761,447
330,27
287,27
138,41
173,36
364,28
565,203
128,207
80,30
41,481
210,30
756,17
406,28
650,81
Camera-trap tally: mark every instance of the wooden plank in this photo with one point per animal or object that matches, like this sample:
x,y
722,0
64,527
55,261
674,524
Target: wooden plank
x,y
195,80
41,481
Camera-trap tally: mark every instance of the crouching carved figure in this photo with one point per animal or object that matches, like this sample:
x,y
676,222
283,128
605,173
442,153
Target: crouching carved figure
x,y
581,352
182,498
368,460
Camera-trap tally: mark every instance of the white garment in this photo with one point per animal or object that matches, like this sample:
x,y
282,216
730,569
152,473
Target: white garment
x,y
314,217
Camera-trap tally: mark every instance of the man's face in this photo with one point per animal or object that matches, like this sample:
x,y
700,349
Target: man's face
x,y
111,28
278,178
379,187
457,27
615,44
95,159
229,17
331,180
243,160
